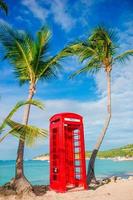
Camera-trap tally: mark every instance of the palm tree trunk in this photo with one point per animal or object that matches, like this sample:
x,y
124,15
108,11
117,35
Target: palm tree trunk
x,y
20,153
91,165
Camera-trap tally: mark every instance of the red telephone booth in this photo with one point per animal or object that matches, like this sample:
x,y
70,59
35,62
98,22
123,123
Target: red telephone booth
x,y
67,152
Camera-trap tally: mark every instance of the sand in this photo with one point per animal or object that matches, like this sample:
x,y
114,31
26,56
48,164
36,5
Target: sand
x,y
119,190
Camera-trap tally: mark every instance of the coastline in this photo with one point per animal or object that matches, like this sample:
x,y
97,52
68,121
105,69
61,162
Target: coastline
x,y
41,158
118,158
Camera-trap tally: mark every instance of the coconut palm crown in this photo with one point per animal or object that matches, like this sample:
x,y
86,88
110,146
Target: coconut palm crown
x,y
29,56
98,51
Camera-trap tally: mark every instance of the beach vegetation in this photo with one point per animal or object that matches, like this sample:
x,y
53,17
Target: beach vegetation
x,y
125,151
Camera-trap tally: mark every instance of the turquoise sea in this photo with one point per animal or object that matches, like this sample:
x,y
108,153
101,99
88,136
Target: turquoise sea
x,y
38,171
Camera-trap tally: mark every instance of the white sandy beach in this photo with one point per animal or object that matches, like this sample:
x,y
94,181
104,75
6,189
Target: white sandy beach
x,y
119,190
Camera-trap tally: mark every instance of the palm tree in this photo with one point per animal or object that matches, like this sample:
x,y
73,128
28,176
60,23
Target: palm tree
x,y
17,129
3,6
98,52
31,62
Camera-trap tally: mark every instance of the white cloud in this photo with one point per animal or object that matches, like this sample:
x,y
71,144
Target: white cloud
x,y
61,14
57,8
37,10
85,10
126,36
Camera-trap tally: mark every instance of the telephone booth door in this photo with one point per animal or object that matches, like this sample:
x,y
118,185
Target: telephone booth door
x,y
69,148
67,152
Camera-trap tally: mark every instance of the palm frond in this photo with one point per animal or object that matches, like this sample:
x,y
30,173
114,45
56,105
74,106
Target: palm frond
x,y
50,67
46,67
30,56
75,48
81,49
41,47
4,6
86,53
18,46
3,137
93,66
27,133
17,106
103,40
124,56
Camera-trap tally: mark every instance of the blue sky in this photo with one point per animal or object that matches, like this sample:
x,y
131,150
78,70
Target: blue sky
x,y
86,95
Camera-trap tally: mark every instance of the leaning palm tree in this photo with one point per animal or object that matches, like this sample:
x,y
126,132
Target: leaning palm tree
x,y
31,63
3,6
98,52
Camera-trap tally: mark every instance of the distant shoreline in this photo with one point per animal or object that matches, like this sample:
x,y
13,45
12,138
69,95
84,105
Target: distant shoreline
x,y
119,158
124,153
42,158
